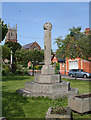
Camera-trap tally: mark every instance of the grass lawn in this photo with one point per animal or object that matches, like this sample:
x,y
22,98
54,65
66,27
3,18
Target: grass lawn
x,y
17,106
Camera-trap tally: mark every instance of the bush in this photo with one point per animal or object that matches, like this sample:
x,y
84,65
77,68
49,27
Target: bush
x,y
6,70
38,67
57,68
21,70
17,70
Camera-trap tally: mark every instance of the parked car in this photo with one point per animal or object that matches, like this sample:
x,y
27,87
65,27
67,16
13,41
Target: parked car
x,y
78,73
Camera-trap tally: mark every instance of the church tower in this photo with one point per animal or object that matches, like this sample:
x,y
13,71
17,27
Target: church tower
x,y
11,34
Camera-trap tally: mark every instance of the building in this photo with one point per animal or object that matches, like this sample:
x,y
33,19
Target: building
x,y
87,31
11,34
66,64
32,46
77,63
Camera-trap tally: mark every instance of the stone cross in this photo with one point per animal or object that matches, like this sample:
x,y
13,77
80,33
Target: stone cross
x,y
47,68
47,43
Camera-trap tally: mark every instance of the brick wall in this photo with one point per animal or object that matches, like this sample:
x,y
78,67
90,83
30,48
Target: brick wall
x,y
62,68
86,65
54,60
82,64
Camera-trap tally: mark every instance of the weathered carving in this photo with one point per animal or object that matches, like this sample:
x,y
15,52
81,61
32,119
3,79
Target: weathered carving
x,y
47,26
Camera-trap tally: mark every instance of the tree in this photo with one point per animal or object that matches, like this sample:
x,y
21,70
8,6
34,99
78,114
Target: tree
x,y
76,44
3,30
35,58
24,56
5,52
14,45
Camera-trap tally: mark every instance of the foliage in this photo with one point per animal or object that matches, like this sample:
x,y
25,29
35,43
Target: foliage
x,y
15,106
59,110
18,70
38,67
76,44
21,70
6,70
57,68
21,57
24,56
5,52
13,45
3,30
31,67
43,51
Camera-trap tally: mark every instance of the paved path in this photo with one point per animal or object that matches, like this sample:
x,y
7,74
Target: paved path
x,y
68,77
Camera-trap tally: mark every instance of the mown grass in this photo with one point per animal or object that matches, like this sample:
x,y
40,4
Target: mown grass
x,y
17,106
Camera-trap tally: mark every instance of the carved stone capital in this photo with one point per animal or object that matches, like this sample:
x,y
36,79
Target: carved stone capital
x,y
47,26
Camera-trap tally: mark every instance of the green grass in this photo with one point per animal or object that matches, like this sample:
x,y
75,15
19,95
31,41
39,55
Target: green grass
x,y
83,86
17,106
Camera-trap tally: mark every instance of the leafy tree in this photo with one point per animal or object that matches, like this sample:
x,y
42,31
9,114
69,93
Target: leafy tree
x,y
24,56
13,45
35,58
3,30
76,44
5,52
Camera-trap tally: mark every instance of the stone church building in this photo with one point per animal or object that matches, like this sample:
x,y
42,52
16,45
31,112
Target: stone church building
x,y
11,34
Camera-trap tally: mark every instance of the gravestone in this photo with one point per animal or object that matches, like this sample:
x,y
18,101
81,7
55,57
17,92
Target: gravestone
x,y
47,83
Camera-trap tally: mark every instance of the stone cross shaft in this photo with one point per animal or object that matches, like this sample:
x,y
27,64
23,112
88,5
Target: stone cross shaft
x,y
47,43
47,68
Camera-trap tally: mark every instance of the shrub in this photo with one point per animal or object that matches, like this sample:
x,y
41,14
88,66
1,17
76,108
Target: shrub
x,y
57,68
21,70
6,70
38,67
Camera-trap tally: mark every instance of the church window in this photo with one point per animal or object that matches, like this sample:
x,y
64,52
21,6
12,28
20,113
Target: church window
x,y
11,34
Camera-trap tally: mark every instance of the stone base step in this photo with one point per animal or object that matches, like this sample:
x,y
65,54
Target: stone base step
x,y
73,91
34,87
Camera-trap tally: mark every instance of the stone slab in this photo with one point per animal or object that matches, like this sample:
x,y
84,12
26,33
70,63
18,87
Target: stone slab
x,y
47,78
80,105
47,88
73,91
66,115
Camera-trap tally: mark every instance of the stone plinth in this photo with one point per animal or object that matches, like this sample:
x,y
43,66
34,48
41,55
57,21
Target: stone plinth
x,y
80,103
47,88
63,116
53,91
47,78
47,70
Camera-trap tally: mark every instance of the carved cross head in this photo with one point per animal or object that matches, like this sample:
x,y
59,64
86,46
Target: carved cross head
x,y
47,26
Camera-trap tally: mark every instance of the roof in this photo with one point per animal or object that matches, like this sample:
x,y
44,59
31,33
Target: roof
x,y
27,45
61,60
52,56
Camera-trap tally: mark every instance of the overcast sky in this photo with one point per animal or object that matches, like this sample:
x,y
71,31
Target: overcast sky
x,y
31,16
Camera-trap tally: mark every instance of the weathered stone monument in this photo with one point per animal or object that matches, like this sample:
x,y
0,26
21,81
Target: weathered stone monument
x,y
47,83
